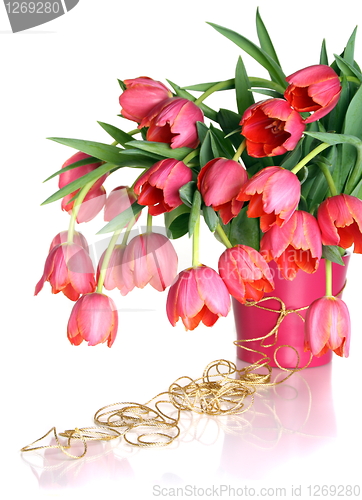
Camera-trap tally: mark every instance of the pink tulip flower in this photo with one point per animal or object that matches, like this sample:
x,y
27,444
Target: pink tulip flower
x,y
74,173
340,220
92,204
296,245
313,89
273,194
158,187
327,326
113,276
245,273
69,269
199,294
271,128
119,200
94,318
173,121
219,182
148,258
141,95
62,237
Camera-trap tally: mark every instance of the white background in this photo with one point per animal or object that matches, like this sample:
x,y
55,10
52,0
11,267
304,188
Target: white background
x,y
58,80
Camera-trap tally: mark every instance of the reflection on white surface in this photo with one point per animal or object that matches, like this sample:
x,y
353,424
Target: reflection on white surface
x,y
291,420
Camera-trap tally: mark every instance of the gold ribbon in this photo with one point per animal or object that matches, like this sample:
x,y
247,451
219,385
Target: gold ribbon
x,y
221,390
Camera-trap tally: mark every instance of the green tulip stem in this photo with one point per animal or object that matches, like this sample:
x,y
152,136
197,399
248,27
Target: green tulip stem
x,y
134,131
310,156
239,151
218,86
190,156
328,278
107,257
149,223
223,236
114,143
196,244
77,204
329,179
127,233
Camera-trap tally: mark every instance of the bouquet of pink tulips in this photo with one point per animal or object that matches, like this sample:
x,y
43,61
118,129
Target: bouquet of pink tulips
x,y
277,178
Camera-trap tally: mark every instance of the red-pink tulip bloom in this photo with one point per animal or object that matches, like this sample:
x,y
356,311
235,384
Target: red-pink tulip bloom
x,y
174,122
62,237
90,207
119,200
113,276
327,326
74,173
94,318
199,294
271,128
296,245
141,95
148,258
219,182
245,273
273,194
69,269
159,186
313,89
340,220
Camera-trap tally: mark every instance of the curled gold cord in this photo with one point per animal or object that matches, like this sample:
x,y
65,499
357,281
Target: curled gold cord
x,y
221,390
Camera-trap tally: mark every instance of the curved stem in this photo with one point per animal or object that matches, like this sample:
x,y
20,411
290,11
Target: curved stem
x,y
239,151
329,278
223,236
106,260
211,90
77,204
190,156
329,179
310,156
196,244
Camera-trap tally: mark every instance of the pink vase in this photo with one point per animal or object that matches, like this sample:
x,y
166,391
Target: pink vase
x,y
252,322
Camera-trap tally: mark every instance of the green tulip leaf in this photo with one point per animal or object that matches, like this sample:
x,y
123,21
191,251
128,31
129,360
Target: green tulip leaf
x,y
208,112
245,230
333,254
323,58
244,96
206,153
255,52
348,52
187,193
264,38
346,68
117,134
177,222
104,152
160,149
210,217
121,220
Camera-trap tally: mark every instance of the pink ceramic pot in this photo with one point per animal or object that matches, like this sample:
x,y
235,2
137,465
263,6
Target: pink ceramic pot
x,y
252,322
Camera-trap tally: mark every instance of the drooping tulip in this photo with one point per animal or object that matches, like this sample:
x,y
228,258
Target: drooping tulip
x,y
198,295
296,245
62,237
271,128
69,269
159,186
94,318
245,273
313,89
327,326
148,258
173,121
119,199
90,207
113,276
273,194
141,95
340,220
219,182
